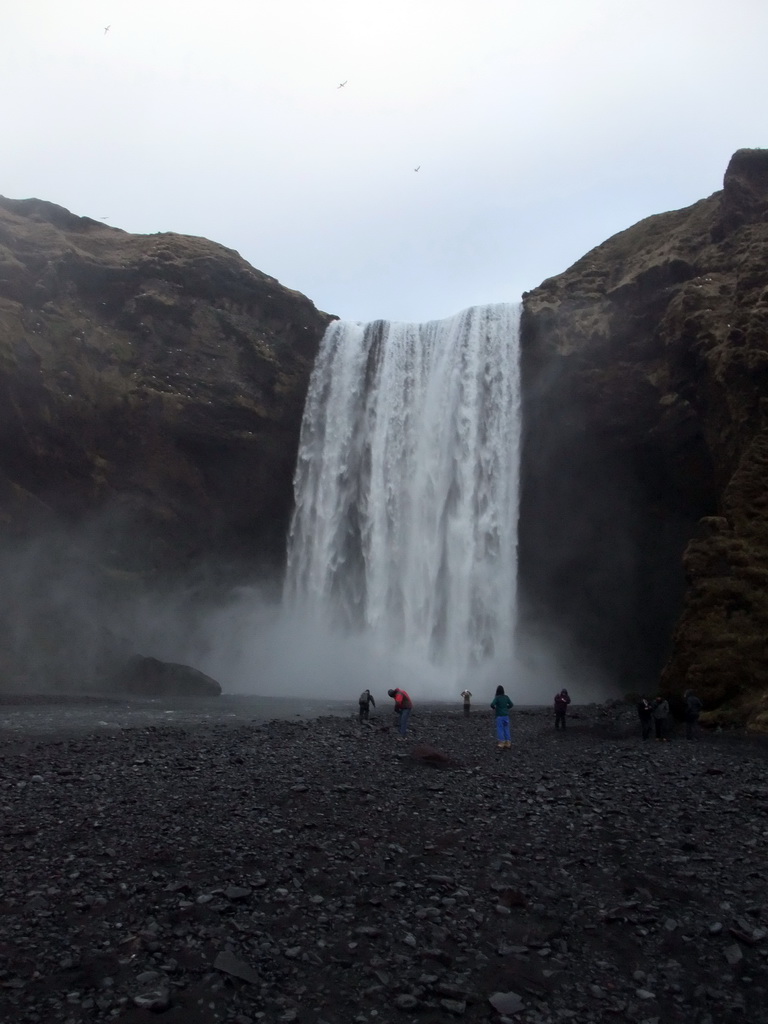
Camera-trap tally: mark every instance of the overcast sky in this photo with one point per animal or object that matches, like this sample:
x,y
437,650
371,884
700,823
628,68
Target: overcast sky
x,y
539,128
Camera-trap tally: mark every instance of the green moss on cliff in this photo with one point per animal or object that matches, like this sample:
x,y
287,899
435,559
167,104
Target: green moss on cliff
x,y
645,370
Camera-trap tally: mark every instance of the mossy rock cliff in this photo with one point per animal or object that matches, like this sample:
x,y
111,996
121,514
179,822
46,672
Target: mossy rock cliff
x,y
151,390
154,380
151,395
644,510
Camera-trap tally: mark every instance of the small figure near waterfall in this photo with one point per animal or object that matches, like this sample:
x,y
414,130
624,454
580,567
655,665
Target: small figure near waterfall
x,y
364,701
660,716
645,714
502,705
467,695
693,708
562,700
403,708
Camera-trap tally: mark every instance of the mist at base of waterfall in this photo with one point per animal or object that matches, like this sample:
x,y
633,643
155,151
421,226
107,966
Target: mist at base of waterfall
x,y
257,646
402,557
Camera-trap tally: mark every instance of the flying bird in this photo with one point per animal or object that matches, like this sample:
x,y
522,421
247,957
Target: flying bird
x,y
416,168
107,29
342,84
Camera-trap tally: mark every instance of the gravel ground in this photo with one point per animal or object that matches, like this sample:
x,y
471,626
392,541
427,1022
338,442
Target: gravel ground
x,y
325,872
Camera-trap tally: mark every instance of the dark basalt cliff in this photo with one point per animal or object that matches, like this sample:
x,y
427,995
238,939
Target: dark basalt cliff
x,y
151,394
154,381
644,508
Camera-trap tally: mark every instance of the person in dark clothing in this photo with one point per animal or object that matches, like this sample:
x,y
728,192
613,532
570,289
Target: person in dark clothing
x,y
660,716
365,700
645,714
467,696
562,700
693,708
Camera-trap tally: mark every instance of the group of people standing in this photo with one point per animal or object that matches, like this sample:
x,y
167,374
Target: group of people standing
x,y
403,707
501,704
654,714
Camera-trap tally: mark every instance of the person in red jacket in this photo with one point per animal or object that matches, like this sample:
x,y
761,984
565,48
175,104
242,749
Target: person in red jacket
x,y
403,708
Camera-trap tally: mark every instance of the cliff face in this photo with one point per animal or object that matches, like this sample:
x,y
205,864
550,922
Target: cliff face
x,y
151,394
156,382
644,509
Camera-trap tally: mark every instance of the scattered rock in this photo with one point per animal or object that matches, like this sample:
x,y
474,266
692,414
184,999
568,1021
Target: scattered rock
x,y
253,901
406,1002
506,1002
231,964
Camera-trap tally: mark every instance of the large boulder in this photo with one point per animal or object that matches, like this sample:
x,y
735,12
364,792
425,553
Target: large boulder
x,y
644,508
150,677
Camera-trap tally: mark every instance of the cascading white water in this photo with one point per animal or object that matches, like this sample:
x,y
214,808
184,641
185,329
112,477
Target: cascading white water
x,y
406,487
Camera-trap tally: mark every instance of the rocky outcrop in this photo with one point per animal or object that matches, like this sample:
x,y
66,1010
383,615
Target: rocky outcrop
x,y
644,509
151,394
150,677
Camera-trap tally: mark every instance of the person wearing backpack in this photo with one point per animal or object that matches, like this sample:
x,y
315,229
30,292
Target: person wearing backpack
x,y
502,705
364,701
693,708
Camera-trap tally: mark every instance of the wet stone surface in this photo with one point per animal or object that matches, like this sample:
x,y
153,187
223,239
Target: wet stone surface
x,y
323,871
22,716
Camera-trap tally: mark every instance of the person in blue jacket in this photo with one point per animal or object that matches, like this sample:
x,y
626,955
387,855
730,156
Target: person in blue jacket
x,y
502,705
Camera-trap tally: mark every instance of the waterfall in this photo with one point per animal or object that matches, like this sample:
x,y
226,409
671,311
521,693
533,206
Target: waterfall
x,y
406,489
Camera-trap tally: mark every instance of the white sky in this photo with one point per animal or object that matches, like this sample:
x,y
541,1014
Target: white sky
x,y
540,127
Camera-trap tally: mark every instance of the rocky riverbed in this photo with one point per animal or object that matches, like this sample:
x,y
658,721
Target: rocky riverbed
x,y
324,871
